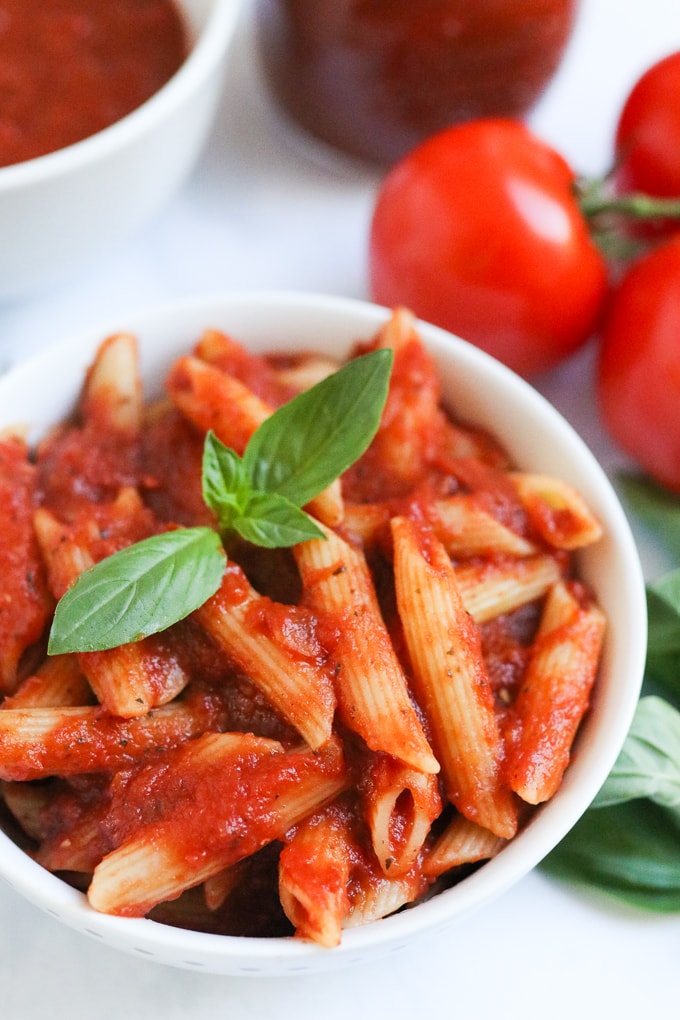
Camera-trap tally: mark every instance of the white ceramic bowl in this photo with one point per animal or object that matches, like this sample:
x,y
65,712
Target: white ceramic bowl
x,y
481,390
60,211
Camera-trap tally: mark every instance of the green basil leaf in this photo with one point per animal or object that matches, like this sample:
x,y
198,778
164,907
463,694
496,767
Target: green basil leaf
x,y
138,591
649,762
224,480
306,444
663,644
274,522
656,507
629,851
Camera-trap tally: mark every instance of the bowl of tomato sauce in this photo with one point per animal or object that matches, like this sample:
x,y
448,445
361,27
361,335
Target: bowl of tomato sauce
x,y
213,827
106,108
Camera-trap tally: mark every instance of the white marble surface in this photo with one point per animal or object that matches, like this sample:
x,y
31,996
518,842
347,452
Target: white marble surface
x,y
261,212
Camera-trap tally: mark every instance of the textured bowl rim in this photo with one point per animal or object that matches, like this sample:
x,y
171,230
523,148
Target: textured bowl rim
x,y
356,319
205,53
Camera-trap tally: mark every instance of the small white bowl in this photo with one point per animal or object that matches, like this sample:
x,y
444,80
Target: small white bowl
x,y
479,389
60,211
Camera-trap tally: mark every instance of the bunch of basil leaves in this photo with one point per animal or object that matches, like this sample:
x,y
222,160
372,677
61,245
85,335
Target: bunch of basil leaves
x,y
627,844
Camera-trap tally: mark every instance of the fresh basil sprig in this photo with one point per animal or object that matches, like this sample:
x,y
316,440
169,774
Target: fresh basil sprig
x,y
292,457
627,844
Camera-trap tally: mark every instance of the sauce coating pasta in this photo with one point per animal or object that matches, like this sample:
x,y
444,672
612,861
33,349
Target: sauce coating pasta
x,y
345,725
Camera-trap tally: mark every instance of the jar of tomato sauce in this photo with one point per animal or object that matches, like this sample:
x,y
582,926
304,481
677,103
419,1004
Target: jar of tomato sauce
x,y
375,77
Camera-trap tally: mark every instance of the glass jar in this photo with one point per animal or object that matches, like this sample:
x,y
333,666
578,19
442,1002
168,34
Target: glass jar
x,y
375,77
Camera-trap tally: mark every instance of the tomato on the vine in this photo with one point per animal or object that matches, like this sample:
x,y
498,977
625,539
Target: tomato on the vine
x,y
478,230
639,364
648,133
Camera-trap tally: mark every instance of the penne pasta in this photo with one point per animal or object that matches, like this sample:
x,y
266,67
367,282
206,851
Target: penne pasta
x,y
39,742
254,371
466,528
556,511
444,646
500,586
133,678
314,871
301,373
25,603
215,401
196,839
461,842
216,888
409,437
58,682
26,803
399,805
374,896
346,725
373,697
554,694
244,624
112,395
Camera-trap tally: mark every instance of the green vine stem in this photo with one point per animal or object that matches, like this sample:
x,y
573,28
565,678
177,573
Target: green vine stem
x,y
611,216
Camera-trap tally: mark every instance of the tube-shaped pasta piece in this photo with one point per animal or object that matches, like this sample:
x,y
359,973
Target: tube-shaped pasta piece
x,y
373,698
410,428
304,371
555,693
217,887
26,602
215,401
314,871
256,634
450,678
254,370
399,804
112,395
39,742
211,399
461,842
59,681
556,510
64,557
217,822
465,528
85,822
366,523
398,330
492,588
133,678
80,848
373,896
26,802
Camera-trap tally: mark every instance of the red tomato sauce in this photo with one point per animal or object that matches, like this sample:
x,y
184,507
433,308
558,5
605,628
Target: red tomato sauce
x,y
70,68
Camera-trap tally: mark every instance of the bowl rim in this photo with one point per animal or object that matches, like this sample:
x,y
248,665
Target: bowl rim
x,y
277,957
205,53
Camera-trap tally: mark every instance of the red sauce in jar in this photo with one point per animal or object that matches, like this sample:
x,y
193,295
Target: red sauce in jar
x,y
70,68
375,77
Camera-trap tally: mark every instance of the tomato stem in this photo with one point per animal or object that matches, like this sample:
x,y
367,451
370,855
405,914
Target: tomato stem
x,y
610,216
594,201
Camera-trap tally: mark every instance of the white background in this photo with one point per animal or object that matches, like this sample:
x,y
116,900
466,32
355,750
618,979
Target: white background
x,y
263,211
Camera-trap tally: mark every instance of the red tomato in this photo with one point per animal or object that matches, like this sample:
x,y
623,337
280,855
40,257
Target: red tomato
x,y
477,230
648,133
639,366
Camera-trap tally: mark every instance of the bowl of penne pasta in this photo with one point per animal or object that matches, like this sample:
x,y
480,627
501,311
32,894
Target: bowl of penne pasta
x,y
121,126
323,629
